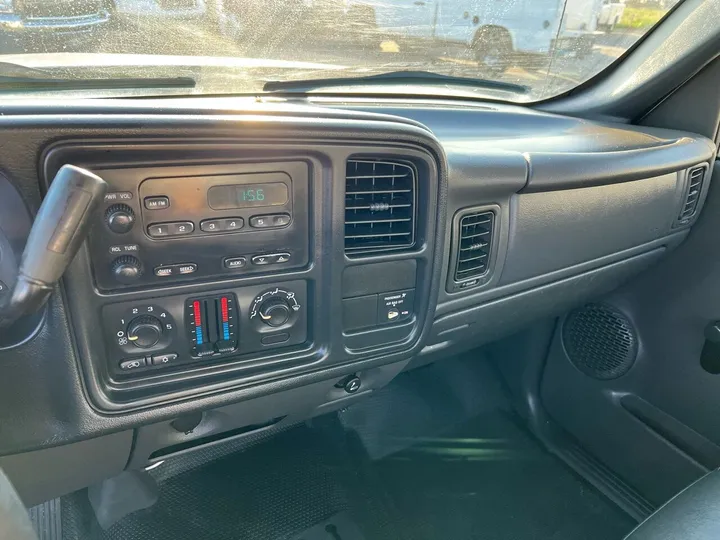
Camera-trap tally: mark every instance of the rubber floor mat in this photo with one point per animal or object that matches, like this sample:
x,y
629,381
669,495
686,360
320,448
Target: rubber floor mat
x,y
436,455
486,480
272,491
490,480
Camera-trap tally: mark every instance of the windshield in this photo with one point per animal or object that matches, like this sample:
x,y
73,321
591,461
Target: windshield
x,y
536,48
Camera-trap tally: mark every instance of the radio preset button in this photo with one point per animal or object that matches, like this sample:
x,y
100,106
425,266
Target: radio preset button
x,y
158,230
233,224
180,228
211,225
269,220
260,222
281,220
234,262
175,228
157,203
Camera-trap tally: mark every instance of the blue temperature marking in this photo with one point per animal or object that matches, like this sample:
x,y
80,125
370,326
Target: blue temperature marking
x,y
198,335
226,330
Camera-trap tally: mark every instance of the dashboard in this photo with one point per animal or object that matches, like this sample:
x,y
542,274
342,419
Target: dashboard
x,y
255,264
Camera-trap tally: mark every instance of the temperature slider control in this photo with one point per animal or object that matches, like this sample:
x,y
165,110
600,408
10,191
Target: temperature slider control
x,y
212,325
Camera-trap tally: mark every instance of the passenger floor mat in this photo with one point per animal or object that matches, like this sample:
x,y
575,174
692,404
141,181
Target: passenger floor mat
x,y
483,478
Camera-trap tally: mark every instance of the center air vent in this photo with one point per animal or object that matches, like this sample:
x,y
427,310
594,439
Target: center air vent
x,y
379,206
472,249
696,175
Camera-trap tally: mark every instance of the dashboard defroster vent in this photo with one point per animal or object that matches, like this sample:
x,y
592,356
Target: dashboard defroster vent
x,y
696,176
474,243
379,206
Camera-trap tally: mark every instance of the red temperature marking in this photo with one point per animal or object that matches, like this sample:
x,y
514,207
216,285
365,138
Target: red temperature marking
x,y
224,307
196,310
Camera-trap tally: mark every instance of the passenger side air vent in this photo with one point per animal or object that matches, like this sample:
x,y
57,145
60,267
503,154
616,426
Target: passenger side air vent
x,y
379,206
473,248
696,176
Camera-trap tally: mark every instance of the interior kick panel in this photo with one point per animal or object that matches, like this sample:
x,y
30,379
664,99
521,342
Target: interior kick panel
x,y
219,210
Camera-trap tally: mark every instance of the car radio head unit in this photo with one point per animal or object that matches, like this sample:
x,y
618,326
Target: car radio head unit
x,y
167,224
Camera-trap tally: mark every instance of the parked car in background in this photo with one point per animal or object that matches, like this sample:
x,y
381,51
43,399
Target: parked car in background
x,y
496,32
610,14
47,25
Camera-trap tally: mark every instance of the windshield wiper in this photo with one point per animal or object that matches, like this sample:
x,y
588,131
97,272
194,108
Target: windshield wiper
x,y
394,77
29,84
11,69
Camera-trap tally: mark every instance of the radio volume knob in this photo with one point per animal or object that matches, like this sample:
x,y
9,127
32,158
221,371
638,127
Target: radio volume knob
x,y
126,269
120,218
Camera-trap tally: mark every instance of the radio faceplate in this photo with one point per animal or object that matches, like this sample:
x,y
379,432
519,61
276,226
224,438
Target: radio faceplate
x,y
177,223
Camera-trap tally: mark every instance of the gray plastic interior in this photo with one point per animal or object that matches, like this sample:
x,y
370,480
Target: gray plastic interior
x,y
562,239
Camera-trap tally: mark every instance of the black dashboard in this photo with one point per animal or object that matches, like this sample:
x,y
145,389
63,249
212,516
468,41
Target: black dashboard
x,y
249,258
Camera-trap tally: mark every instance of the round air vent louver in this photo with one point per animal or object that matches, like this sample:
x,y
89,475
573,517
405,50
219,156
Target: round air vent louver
x,y
600,341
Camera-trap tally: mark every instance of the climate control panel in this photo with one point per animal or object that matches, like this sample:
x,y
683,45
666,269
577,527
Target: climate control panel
x,y
180,331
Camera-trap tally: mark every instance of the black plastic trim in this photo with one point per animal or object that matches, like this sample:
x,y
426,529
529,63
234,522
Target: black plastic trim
x,y
386,138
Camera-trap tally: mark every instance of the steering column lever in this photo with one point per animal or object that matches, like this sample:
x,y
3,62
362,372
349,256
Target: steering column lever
x,y
59,229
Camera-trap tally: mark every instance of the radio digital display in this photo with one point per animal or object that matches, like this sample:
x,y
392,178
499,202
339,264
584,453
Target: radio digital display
x,y
247,195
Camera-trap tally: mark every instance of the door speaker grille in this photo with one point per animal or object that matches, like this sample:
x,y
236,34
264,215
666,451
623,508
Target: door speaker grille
x,y
600,341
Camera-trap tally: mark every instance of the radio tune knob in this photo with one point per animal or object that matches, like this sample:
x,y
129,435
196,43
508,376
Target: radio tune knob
x,y
120,218
274,312
126,269
144,331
